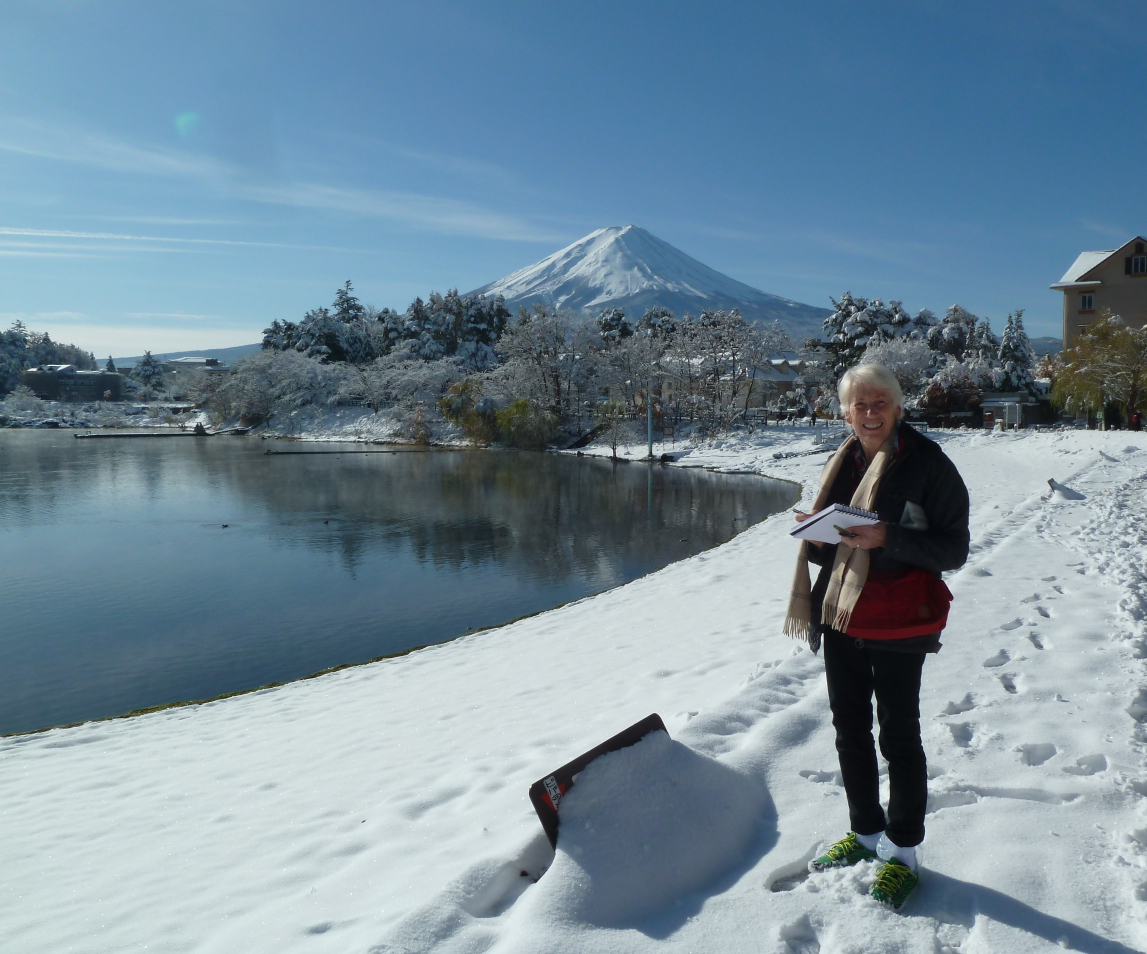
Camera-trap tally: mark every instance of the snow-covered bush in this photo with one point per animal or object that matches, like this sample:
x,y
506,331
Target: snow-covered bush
x,y
955,387
22,402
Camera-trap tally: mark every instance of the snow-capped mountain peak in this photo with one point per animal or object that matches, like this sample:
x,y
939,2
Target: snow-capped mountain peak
x,y
628,267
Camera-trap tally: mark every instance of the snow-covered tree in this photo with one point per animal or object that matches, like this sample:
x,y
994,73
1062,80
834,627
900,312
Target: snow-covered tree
x,y
149,372
21,349
955,387
954,332
984,344
21,402
320,336
612,324
911,360
347,308
857,322
921,325
657,322
1015,356
536,351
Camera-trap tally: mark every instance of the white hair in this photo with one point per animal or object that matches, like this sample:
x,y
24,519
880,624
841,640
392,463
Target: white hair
x,y
875,376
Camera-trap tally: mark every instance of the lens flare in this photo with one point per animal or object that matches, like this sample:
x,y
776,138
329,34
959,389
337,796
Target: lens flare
x,y
186,124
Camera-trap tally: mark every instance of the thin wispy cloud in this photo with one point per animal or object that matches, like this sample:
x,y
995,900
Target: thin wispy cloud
x,y
45,253
428,213
120,237
178,315
89,148
162,220
423,212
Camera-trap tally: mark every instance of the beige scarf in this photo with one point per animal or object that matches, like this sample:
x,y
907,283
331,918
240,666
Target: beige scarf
x,y
850,567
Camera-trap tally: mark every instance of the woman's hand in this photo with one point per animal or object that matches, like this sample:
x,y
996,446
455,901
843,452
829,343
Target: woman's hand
x,y
867,536
801,518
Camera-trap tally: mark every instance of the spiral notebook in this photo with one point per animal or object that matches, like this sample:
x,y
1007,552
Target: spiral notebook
x,y
822,527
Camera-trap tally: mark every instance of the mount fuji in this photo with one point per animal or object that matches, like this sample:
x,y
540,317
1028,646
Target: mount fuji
x,y
627,267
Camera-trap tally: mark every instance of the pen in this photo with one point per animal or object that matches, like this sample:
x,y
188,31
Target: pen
x,y
843,532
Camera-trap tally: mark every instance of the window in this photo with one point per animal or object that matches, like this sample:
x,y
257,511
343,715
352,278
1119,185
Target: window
x,y
1087,302
1139,264
1082,330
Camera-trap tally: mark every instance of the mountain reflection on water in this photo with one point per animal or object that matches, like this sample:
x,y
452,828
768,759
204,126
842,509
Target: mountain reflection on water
x,y
157,570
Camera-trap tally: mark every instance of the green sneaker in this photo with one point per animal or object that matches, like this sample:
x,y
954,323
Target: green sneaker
x,y
845,853
894,882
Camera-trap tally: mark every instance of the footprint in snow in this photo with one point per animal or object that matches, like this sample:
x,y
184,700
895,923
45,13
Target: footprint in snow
x,y
1049,579
1036,753
1087,765
1014,624
997,660
1114,460
961,733
1034,598
1008,681
1033,637
1043,611
964,705
814,776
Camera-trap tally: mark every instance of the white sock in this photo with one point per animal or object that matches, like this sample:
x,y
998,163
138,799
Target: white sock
x,y
870,841
887,850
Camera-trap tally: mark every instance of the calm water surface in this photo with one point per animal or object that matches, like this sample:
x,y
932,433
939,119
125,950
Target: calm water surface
x,y
120,586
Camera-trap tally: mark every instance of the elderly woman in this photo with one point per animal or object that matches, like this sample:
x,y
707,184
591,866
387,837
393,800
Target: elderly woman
x,y
879,605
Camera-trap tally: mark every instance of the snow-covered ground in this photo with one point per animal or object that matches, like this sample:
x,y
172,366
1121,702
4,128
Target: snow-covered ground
x,y
384,808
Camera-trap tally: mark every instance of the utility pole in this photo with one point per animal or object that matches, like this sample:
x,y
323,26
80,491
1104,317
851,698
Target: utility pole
x,y
649,423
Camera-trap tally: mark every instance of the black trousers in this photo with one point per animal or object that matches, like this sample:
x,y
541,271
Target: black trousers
x,y
855,674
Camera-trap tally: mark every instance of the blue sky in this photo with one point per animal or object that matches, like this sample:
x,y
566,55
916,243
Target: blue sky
x,y
175,177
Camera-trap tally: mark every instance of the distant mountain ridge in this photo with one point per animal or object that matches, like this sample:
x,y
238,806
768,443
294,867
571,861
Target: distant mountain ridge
x,y
225,355
627,267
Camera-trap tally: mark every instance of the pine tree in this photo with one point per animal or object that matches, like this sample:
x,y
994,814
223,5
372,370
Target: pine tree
x,y
956,329
858,322
110,367
346,306
984,344
149,371
657,322
612,324
1015,356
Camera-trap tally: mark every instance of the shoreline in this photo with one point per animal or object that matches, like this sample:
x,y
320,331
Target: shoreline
x,y
385,805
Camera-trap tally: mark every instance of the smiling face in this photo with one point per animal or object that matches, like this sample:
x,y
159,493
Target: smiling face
x,y
873,416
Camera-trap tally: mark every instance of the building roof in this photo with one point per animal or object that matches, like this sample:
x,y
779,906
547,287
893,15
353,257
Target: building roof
x,y
1083,264
1086,261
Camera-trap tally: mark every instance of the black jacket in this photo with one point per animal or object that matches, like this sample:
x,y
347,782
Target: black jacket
x,y
925,504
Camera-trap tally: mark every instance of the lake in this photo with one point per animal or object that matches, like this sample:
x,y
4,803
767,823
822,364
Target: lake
x,y
135,573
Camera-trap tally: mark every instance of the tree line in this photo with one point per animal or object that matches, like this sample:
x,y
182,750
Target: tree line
x,y
522,378
21,349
